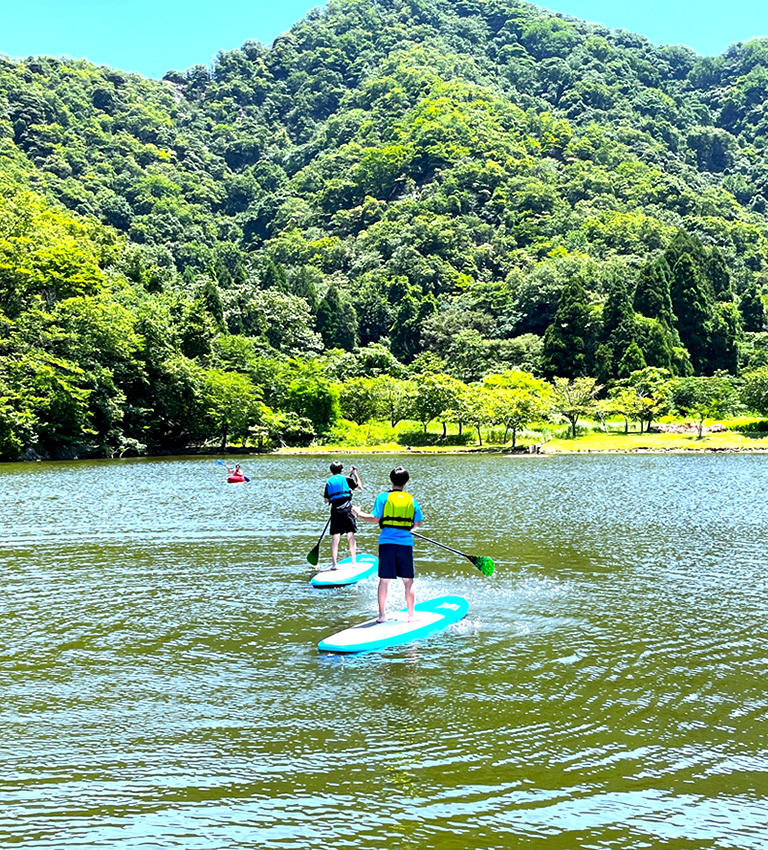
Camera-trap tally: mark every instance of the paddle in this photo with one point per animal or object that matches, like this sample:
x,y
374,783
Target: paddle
x,y
485,565
221,463
314,554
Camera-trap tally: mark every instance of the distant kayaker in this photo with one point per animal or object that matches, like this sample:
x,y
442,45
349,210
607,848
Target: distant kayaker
x,y
396,512
236,471
338,494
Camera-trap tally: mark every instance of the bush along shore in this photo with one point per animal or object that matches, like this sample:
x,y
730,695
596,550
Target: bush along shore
x,y
510,412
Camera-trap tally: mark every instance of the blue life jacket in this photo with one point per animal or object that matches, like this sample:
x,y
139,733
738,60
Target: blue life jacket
x,y
338,489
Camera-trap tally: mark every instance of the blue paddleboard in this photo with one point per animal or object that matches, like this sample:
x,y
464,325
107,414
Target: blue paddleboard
x,y
431,616
345,573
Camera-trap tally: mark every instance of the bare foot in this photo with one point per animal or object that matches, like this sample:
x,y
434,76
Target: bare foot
x,y
334,567
381,619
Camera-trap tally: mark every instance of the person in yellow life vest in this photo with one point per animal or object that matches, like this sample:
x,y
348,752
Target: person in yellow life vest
x,y
396,512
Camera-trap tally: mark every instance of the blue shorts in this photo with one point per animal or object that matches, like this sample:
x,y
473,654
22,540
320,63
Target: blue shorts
x,y
395,561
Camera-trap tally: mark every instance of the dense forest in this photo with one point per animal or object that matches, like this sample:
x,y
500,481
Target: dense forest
x,y
475,203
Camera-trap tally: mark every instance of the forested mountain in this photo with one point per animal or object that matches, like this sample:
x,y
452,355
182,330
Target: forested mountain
x,y
462,187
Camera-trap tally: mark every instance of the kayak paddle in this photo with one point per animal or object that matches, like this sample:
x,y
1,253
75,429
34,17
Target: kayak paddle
x,y
314,555
484,564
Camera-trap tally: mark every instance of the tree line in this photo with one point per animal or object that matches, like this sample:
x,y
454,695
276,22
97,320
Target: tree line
x,y
463,190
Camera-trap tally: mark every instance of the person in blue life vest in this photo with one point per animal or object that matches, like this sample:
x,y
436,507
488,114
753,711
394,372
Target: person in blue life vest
x,y
396,512
338,494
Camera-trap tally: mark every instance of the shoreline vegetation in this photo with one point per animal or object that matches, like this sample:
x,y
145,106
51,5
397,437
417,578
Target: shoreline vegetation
x,y
667,437
682,439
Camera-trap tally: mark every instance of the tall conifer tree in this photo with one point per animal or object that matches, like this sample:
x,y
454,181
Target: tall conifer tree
x,y
690,305
752,308
566,349
652,294
719,276
337,321
619,329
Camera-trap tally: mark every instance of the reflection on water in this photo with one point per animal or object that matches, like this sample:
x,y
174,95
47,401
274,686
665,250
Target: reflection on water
x,y
162,686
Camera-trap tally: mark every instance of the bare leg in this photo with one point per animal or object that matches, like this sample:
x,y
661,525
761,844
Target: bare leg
x,y
383,591
352,546
410,597
334,550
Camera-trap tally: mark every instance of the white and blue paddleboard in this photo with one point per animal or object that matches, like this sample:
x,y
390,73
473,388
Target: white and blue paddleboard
x,y
431,616
345,573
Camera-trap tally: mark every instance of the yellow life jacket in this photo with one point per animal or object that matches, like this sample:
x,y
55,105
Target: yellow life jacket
x,y
399,511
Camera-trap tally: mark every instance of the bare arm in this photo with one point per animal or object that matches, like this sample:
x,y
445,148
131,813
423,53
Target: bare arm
x,y
361,514
358,479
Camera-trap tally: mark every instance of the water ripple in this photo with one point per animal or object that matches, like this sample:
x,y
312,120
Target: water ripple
x,y
162,687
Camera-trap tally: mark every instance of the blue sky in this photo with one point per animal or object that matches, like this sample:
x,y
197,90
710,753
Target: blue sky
x,y
147,36
704,25
153,36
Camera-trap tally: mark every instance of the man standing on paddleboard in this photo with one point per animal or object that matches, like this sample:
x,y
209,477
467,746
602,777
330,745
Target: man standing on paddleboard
x,y
396,512
338,494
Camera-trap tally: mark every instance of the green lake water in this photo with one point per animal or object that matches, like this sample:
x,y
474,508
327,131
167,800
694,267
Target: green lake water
x,y
161,685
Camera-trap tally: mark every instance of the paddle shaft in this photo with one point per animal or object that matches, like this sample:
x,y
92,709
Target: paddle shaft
x,y
327,523
312,557
443,546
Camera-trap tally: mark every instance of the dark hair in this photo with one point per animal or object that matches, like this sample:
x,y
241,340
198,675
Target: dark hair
x,y
336,467
399,476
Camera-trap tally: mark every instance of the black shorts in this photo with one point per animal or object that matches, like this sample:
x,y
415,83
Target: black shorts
x,y
395,561
342,522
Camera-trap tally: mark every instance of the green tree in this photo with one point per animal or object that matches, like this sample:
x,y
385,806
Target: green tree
x,y
632,361
405,333
642,396
653,294
231,404
435,395
288,323
273,276
652,386
574,398
619,331
519,397
336,320
752,308
566,350
211,298
197,331
625,401
704,397
689,303
478,407
304,282
53,402
754,392
725,335
468,356
394,398
313,396
178,413
357,399
719,276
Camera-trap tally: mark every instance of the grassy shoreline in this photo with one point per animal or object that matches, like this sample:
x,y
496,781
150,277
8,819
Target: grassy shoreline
x,y
590,443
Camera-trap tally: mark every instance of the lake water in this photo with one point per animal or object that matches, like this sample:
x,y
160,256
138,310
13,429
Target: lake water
x,y
161,684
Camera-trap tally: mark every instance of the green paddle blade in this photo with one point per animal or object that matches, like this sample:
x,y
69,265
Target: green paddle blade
x,y
312,557
485,565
